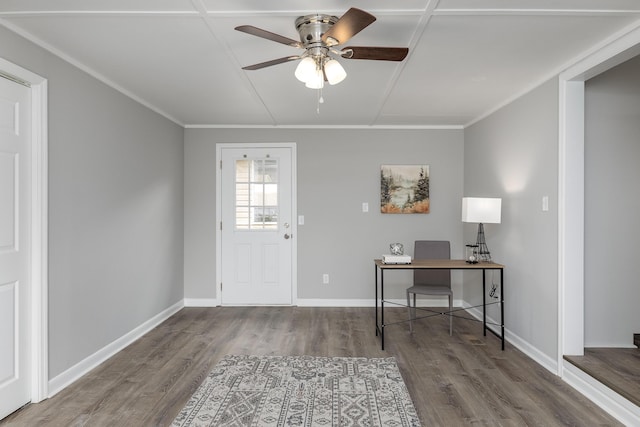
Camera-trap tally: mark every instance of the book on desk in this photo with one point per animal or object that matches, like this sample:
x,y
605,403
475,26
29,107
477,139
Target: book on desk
x,y
396,259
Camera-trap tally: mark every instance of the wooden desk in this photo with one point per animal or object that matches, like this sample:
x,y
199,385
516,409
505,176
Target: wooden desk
x,y
446,264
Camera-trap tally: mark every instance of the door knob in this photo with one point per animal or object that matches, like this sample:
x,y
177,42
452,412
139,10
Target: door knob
x,y
286,236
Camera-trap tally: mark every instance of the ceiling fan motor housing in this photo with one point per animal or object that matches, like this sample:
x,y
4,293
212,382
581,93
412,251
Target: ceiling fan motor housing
x,y
311,28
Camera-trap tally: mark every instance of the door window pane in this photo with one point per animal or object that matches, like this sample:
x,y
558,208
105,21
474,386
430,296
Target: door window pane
x,y
256,196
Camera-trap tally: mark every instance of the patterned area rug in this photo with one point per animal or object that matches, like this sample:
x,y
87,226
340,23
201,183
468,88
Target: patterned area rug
x,y
301,391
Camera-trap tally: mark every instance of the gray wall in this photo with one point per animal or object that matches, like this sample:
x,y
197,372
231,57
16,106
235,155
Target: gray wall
x,y
115,208
338,169
513,154
118,174
612,234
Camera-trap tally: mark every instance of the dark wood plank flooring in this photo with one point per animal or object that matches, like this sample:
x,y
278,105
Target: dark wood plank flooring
x,y
617,368
458,380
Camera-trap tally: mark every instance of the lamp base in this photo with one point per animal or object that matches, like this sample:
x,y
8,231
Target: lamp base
x,y
483,251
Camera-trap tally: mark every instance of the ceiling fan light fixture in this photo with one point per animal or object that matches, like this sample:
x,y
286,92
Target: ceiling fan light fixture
x,y
317,80
334,71
306,69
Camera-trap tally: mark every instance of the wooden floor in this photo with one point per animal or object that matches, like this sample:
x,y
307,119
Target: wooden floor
x,y
617,368
454,381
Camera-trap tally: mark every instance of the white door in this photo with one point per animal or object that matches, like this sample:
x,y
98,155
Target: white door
x,y
256,225
15,217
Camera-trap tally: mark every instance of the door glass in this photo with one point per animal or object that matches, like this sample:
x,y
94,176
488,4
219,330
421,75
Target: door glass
x,y
256,194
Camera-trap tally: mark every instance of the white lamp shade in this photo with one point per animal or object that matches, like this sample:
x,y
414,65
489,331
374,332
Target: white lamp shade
x,y
317,81
306,69
481,210
334,71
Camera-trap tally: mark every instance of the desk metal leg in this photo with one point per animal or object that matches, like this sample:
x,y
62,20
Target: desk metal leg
x,y
375,267
382,307
484,304
502,306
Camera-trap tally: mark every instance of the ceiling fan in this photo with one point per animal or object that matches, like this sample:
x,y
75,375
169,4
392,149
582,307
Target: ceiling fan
x,y
320,36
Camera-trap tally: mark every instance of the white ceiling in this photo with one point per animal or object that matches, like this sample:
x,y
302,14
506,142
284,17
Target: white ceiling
x,y
183,58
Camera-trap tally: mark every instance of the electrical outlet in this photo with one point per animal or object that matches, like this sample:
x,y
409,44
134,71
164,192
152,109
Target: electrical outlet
x,y
365,207
325,278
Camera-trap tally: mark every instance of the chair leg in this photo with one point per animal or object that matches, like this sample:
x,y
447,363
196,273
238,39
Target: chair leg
x,y
450,315
410,314
414,305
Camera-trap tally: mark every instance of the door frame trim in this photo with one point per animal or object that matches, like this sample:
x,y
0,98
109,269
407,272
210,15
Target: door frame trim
x,y
621,47
39,229
294,211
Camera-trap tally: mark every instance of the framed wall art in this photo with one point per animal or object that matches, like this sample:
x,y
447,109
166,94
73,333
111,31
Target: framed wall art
x,y
404,189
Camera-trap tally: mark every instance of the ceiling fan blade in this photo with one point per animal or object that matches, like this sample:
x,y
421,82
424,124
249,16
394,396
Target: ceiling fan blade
x,y
255,31
349,24
375,53
270,63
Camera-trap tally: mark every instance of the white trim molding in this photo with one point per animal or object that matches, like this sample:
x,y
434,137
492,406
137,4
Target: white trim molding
x,y
319,302
518,342
612,52
610,401
201,302
39,230
421,302
81,66
617,49
571,219
74,373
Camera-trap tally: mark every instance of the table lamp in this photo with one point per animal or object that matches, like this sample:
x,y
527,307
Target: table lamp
x,y
482,210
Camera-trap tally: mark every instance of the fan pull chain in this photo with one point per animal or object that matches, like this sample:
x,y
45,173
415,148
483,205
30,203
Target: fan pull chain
x,y
320,100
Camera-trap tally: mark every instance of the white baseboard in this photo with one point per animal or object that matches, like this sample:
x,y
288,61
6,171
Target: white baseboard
x,y
316,302
610,401
515,340
201,302
72,374
609,345
524,346
422,302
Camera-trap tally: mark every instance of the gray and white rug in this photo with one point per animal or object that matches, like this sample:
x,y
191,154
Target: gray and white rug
x,y
301,391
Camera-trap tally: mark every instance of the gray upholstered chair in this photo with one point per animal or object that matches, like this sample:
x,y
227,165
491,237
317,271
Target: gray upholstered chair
x,y
430,282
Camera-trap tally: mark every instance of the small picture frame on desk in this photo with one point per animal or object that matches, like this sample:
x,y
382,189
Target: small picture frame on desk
x,y
471,254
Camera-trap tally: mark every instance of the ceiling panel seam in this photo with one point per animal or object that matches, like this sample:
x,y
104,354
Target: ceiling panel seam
x,y
415,37
201,7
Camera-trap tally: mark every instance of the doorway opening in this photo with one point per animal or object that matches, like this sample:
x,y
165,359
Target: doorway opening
x,y
571,262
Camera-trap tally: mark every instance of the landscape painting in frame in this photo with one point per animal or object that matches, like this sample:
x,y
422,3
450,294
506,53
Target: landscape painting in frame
x,y
404,189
